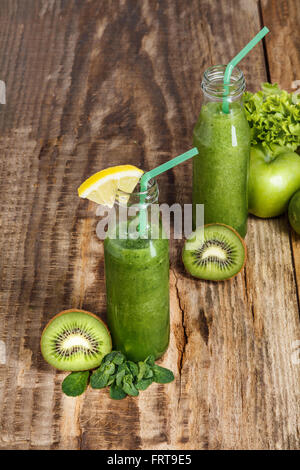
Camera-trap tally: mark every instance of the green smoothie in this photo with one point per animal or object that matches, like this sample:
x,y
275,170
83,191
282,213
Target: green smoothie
x,y
220,171
137,287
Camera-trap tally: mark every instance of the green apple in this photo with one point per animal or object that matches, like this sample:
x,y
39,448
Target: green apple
x,y
294,212
274,178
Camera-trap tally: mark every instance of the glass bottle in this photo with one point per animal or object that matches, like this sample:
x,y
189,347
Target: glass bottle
x,y
220,170
137,278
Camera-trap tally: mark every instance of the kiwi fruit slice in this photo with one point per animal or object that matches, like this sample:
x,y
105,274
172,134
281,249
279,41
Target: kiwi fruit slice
x,y
215,253
75,340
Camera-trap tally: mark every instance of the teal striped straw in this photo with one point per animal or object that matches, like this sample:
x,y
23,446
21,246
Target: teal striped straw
x,y
155,172
234,62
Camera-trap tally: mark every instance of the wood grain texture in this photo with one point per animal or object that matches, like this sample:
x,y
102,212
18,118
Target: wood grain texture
x,y
97,83
283,53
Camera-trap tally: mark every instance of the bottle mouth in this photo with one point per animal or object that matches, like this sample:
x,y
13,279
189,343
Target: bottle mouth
x,y
213,83
150,195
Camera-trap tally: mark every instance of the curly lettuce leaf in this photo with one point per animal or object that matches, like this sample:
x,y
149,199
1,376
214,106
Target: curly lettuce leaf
x,y
274,117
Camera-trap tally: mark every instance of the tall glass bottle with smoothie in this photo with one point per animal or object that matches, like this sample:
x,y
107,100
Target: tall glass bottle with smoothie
x,y
137,279
220,171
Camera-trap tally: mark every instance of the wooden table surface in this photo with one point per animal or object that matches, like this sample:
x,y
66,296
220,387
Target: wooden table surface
x,y
97,83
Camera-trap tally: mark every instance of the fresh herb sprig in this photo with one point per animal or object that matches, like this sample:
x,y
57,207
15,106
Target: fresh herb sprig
x,y
124,377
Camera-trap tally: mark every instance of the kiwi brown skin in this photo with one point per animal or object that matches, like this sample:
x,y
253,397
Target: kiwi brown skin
x,y
72,310
245,248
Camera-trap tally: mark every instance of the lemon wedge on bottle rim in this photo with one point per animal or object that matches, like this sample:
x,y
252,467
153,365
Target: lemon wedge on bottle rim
x,y
102,187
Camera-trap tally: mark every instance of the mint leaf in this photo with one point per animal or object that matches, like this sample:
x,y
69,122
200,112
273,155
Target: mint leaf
x,y
142,370
101,377
102,367
133,368
111,380
128,387
122,376
116,393
75,383
109,369
99,380
124,367
150,360
162,375
143,384
148,372
109,357
119,358
106,368
119,377
130,390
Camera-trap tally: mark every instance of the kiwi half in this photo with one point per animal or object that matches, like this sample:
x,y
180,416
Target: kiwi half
x,y
215,253
75,340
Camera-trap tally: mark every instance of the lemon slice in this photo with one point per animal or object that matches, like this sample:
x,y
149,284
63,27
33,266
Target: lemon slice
x,y
102,187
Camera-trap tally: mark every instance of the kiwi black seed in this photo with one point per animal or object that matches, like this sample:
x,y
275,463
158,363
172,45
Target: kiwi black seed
x,y
75,340
215,252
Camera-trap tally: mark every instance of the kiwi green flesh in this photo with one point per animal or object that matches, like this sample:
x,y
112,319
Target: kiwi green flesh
x,y
75,341
216,256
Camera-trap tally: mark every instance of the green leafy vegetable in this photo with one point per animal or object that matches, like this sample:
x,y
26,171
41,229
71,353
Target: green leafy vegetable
x,y
124,377
75,383
150,360
124,367
162,375
116,393
111,380
133,368
142,370
119,358
119,377
128,386
143,384
274,117
101,377
109,357
110,369
148,372
99,380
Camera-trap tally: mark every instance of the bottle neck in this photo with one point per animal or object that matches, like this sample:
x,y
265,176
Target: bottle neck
x,y
213,84
130,207
126,200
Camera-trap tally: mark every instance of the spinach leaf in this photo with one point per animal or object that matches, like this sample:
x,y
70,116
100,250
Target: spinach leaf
x,y
162,375
75,383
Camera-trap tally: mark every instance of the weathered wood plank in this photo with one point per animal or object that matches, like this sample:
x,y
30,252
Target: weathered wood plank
x,y
92,84
283,51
